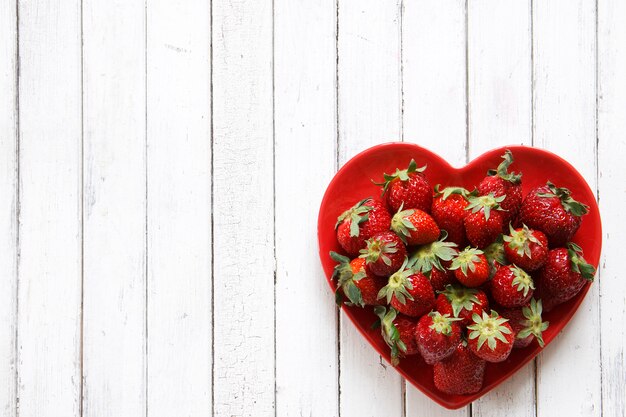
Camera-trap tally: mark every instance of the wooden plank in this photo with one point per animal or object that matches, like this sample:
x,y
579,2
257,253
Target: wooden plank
x,y
179,207
49,295
305,120
114,208
564,114
8,208
611,180
434,107
434,77
499,74
370,103
244,366
500,107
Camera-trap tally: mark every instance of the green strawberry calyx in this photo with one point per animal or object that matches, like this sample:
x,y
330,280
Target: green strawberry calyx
x,y
390,332
378,249
533,324
441,324
346,280
521,280
448,191
359,213
495,253
460,298
520,239
398,285
565,195
402,175
401,224
579,264
486,203
430,256
503,169
467,260
488,328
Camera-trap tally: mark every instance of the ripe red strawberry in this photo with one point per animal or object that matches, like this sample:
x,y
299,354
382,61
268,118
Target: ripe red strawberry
x,y
526,248
432,260
553,211
449,211
484,221
440,279
408,292
433,255
460,374
437,336
563,275
511,286
384,253
470,267
407,188
527,324
398,332
495,331
415,227
500,182
361,222
356,281
495,255
462,302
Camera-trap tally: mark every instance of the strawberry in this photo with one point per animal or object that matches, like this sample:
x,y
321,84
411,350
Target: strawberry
x,y
495,255
415,227
384,253
433,255
408,292
461,302
356,281
470,267
484,220
511,286
432,259
461,373
359,223
527,324
500,182
526,248
407,188
553,211
398,332
563,275
493,329
439,279
448,210
437,336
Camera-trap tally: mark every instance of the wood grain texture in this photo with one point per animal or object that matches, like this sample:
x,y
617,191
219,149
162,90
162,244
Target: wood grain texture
x,y
179,208
370,112
565,114
49,294
499,74
8,207
114,208
434,88
244,366
500,106
612,196
434,107
305,120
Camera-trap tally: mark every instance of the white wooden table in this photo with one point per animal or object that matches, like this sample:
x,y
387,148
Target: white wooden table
x,y
161,167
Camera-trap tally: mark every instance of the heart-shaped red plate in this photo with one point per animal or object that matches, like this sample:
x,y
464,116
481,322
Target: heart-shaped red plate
x,y
353,183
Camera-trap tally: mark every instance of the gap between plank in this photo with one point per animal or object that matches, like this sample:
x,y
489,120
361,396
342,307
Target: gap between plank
x,y
18,202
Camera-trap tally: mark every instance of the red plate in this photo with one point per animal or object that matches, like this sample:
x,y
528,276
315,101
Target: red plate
x,y
353,183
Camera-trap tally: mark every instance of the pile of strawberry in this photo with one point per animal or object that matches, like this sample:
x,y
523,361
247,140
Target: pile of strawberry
x,y
460,277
